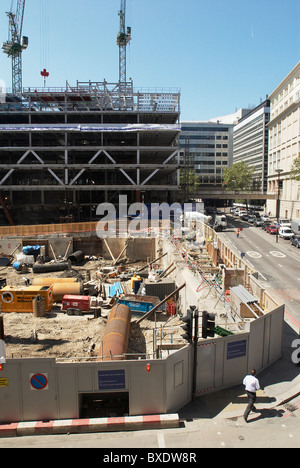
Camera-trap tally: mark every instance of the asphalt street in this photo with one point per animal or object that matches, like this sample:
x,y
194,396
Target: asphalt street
x,y
278,263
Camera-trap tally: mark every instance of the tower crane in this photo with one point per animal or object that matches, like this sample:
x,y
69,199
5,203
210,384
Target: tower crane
x,y
123,38
16,44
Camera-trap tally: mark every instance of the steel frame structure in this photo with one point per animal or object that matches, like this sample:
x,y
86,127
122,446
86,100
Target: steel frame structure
x,y
87,144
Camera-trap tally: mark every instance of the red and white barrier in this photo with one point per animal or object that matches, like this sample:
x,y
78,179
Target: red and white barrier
x,y
64,426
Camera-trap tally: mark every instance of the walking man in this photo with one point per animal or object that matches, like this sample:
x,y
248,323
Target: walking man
x,y
237,233
251,386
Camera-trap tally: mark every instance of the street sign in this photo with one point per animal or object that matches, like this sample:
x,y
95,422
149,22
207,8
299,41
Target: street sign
x,y
39,381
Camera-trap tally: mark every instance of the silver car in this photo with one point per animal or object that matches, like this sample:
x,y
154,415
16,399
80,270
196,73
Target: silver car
x,y
257,222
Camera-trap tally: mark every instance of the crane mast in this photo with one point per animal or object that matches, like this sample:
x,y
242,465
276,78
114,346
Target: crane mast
x,y
123,38
16,44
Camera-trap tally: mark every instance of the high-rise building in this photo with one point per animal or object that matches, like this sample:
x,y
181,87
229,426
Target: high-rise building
x,y
284,146
208,148
250,143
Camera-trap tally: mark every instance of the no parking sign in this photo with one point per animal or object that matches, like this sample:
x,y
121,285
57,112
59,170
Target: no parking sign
x,y
39,381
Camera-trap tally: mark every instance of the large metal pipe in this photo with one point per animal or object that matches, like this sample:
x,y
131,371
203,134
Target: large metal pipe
x,y
50,267
60,289
76,257
115,340
50,281
61,286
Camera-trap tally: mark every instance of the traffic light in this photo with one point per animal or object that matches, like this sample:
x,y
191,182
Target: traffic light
x,y
188,327
208,324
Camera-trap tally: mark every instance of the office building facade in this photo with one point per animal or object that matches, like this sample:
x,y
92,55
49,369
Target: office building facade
x,y
284,146
250,143
208,147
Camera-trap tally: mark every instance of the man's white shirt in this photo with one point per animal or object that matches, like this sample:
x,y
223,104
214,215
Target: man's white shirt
x,y
251,383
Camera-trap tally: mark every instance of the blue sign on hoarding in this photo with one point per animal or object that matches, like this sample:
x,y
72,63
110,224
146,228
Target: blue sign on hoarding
x,y
236,349
111,380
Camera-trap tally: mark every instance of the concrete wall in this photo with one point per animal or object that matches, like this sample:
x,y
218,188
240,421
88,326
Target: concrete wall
x,y
221,363
136,250
7,246
161,389
59,244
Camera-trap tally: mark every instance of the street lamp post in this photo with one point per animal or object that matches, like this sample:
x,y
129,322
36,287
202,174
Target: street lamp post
x,y
278,201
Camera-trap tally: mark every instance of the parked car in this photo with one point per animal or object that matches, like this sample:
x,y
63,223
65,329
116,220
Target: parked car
x,y
265,224
244,217
295,240
243,213
257,221
285,232
271,229
264,218
251,219
285,223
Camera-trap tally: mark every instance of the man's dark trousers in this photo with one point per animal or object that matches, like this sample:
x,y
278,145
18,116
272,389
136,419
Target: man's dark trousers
x,y
250,407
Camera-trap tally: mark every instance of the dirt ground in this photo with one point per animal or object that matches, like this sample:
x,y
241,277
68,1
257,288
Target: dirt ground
x,y
59,335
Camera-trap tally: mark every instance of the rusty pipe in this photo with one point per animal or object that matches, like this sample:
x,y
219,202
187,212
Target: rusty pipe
x,y
116,335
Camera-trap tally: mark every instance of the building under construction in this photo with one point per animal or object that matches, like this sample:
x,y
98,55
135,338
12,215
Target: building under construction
x,y
65,150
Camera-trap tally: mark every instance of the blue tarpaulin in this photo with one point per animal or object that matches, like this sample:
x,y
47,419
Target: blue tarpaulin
x,y
31,250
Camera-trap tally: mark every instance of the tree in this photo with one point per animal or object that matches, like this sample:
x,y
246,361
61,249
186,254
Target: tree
x,y
189,180
239,177
295,170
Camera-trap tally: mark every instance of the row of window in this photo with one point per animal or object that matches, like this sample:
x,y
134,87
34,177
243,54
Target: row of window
x,y
206,145
208,171
210,163
204,137
204,129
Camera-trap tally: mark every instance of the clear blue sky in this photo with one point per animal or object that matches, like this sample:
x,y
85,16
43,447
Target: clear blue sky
x,y
222,54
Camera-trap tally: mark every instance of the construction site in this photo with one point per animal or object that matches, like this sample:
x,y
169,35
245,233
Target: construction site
x,y
106,327
76,309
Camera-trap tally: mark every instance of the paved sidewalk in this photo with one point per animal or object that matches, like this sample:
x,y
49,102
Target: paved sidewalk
x,y
279,383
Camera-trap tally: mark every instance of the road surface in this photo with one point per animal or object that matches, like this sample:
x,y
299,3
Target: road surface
x,y
278,263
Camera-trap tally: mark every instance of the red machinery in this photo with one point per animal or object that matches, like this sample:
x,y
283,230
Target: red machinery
x,y
77,305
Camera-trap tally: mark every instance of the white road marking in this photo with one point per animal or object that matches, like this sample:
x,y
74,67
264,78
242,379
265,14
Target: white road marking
x,y
253,254
161,440
276,253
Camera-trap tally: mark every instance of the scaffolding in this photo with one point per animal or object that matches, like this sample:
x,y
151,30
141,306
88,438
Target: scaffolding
x,y
65,150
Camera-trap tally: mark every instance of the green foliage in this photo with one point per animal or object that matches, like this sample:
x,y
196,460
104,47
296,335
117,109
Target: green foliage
x,y
239,177
295,170
189,178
